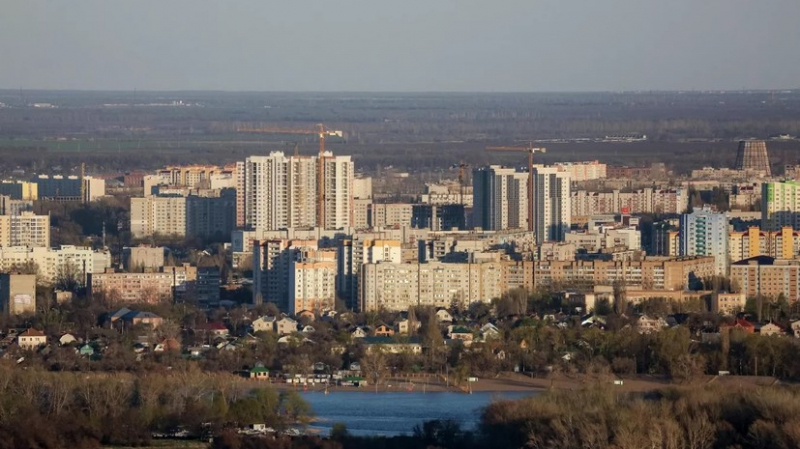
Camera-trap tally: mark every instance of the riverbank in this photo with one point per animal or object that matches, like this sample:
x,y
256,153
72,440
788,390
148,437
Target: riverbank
x,y
516,382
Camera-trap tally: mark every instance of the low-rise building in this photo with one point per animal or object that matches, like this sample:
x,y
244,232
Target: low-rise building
x,y
167,284
31,339
17,293
52,264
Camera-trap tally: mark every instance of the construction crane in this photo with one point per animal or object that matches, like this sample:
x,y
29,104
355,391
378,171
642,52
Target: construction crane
x,y
322,132
530,149
462,172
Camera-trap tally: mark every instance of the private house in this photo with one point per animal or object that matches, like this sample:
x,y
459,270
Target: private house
x,y
358,332
264,324
134,318
285,326
67,339
444,316
115,317
167,345
308,329
770,329
796,328
461,333
740,324
404,326
259,373
31,339
489,332
645,324
383,330
86,351
213,329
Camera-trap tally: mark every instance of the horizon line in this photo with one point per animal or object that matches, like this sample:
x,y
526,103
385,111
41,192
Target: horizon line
x,y
419,92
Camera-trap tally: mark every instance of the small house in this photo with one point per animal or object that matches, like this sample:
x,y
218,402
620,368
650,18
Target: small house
x,y
443,316
263,324
259,373
770,329
31,339
67,339
285,326
383,330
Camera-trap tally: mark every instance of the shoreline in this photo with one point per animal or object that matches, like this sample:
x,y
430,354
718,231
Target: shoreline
x,y
520,383
502,383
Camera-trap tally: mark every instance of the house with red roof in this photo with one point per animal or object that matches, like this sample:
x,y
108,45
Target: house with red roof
x,y
31,339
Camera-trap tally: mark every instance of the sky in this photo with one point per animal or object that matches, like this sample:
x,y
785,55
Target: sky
x,y
400,46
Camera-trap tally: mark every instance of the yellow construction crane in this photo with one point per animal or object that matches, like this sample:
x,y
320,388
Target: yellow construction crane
x,y
321,132
530,149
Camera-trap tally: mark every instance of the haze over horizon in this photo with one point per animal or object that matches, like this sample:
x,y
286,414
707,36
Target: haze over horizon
x,y
411,46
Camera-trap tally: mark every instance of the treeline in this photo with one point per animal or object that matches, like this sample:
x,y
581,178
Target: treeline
x,y
39,409
698,418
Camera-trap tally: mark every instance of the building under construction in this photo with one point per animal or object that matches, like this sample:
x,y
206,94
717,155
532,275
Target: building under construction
x,y
752,156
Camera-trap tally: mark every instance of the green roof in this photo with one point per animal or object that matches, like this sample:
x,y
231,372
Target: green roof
x,y
259,369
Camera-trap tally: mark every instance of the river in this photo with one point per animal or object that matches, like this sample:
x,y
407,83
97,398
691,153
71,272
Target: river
x,y
390,414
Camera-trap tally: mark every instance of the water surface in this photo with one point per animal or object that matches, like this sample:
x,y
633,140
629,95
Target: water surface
x,y
396,413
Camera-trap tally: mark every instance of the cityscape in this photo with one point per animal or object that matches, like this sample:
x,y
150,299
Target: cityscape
x,y
397,226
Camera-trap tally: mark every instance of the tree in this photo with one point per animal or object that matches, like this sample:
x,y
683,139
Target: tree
x,y
373,365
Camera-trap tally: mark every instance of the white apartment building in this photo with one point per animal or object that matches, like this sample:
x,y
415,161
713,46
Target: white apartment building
x,y
606,237
705,233
25,229
395,214
338,176
398,286
54,262
583,171
354,253
165,215
780,205
551,204
312,282
278,192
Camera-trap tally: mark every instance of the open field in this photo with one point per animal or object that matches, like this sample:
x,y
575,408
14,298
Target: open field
x,y
111,131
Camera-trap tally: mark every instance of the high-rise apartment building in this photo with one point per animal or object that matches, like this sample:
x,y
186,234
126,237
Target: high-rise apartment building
x,y
398,286
312,282
551,204
185,213
583,171
780,205
352,254
338,175
783,244
705,233
279,192
25,229
164,215
500,198
767,276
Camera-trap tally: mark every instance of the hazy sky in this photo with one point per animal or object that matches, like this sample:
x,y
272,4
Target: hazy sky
x,y
402,45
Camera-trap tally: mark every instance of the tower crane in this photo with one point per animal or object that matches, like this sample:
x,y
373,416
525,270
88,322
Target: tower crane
x,y
530,149
462,172
322,132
